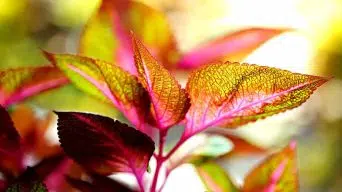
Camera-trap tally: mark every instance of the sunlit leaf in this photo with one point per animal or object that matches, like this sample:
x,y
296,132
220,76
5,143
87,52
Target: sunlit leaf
x,y
99,183
233,47
106,82
106,35
234,94
214,177
10,151
169,101
103,145
275,174
19,84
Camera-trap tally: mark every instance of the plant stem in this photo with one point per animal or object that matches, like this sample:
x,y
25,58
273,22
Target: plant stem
x,y
141,185
159,158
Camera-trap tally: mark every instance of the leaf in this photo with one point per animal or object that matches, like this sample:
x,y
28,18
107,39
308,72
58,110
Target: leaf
x,y
10,151
99,183
106,82
200,146
106,35
234,94
214,177
275,174
103,145
233,47
19,84
214,146
51,170
169,101
242,147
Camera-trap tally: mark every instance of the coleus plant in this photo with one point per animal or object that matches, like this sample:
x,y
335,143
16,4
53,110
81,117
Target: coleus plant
x,y
219,94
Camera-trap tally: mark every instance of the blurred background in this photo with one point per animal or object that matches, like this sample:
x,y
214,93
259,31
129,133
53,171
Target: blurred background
x,y
314,46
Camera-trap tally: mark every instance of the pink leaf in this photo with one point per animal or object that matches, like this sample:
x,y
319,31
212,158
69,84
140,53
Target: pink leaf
x,y
275,174
233,47
52,170
19,84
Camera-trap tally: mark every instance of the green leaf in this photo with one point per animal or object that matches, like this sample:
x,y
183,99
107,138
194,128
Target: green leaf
x,y
106,82
214,177
215,146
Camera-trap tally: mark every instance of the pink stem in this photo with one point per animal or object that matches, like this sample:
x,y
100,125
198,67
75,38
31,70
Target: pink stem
x,y
159,158
164,182
140,183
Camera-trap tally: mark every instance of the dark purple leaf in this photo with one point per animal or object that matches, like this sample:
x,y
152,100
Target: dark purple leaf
x,y
103,145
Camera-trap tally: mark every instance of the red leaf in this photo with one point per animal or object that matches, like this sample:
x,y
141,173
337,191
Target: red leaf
x,y
2,185
99,183
233,47
52,170
169,101
275,174
234,94
10,152
103,145
19,84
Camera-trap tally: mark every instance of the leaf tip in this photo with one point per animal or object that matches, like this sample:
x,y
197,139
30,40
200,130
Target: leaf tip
x,y
293,145
49,56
